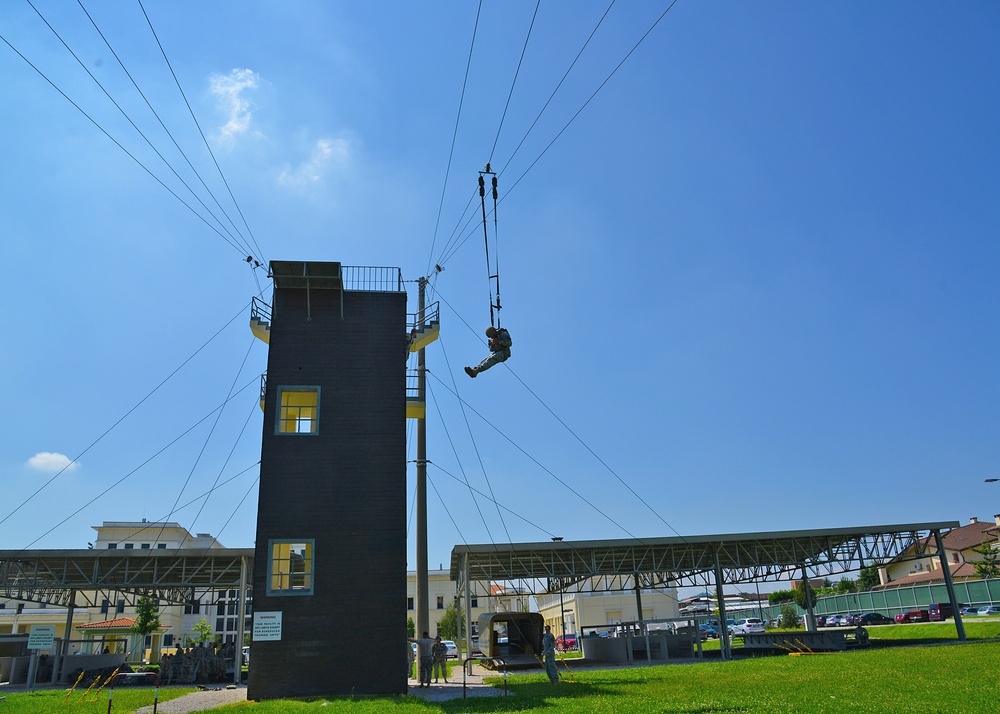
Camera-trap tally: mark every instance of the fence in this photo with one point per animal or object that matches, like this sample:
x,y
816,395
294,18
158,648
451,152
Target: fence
x,y
888,601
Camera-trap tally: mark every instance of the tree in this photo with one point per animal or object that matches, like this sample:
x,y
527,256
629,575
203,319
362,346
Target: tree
x,y
147,620
410,627
846,586
780,596
868,578
989,567
203,631
804,596
448,624
147,616
789,616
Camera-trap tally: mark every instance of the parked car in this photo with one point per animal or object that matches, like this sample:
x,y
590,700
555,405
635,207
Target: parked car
x,y
831,620
707,631
748,626
966,611
874,618
853,618
940,611
452,648
989,610
918,616
566,642
899,618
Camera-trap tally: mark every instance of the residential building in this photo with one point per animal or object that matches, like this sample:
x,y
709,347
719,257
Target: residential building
x,y
961,546
597,608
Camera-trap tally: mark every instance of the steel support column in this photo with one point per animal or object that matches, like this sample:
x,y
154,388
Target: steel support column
x,y
725,643
950,585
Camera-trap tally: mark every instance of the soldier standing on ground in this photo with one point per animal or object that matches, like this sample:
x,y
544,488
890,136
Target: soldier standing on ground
x,y
424,645
549,652
440,654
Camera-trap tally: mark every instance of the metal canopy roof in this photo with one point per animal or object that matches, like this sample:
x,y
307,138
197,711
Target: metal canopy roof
x,y
692,560
303,274
52,576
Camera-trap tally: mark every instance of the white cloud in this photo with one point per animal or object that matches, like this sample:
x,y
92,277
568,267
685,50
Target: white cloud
x,y
228,91
327,154
51,462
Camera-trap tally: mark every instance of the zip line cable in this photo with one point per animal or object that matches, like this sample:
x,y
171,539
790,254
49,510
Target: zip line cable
x,y
119,145
567,427
486,496
465,476
475,446
124,416
162,124
437,406
514,82
591,97
134,126
208,437
481,464
454,136
133,471
202,133
253,411
535,461
560,84
445,255
568,123
149,526
445,507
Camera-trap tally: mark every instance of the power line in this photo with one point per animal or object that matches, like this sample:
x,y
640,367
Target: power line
x,y
132,123
159,119
123,417
497,503
534,460
202,133
454,136
568,123
116,143
253,411
133,471
514,82
567,427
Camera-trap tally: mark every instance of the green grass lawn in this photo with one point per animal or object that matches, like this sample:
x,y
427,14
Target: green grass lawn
x,y
946,678
904,680
53,701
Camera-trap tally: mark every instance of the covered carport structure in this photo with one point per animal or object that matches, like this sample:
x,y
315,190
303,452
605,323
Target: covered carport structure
x,y
76,578
706,560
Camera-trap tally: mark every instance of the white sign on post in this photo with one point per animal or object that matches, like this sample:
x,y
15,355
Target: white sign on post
x,y
40,637
266,626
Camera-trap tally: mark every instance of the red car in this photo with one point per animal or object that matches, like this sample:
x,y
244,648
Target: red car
x,y
566,642
913,616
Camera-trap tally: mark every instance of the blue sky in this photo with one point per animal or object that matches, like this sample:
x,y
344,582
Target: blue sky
x,y
751,285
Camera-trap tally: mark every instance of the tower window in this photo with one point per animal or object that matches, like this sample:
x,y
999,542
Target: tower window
x,y
290,567
298,410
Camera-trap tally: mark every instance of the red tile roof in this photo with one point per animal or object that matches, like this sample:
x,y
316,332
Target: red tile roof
x,y
972,535
959,571
118,623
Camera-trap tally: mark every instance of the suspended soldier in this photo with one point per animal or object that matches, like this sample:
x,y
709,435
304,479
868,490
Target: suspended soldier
x,y
500,343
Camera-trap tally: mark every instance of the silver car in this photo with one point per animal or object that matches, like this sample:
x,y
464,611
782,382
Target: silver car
x,y
748,626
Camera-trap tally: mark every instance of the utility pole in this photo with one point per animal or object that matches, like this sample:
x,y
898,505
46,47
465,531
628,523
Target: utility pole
x,y
422,622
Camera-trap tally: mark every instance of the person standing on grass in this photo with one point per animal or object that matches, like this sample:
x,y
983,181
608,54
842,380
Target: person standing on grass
x,y
424,645
549,653
440,653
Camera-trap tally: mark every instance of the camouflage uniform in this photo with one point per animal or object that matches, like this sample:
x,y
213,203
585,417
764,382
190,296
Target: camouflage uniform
x,y
499,350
